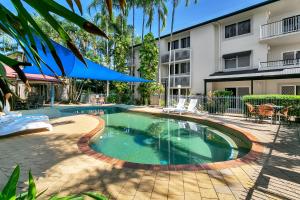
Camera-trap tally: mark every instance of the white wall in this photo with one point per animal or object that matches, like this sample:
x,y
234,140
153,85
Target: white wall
x,y
246,42
203,62
275,52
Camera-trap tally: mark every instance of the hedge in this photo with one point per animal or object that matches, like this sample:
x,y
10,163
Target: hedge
x,y
279,100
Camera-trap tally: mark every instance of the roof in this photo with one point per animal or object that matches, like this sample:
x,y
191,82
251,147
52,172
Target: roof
x,y
254,74
10,73
219,18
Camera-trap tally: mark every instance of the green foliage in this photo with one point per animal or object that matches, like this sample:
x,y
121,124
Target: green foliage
x,y
222,93
9,190
218,101
113,98
120,61
279,100
148,68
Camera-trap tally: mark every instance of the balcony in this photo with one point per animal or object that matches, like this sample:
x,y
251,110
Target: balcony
x,y
279,64
176,80
177,55
275,31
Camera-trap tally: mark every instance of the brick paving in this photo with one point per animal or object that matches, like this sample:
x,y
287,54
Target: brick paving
x,y
58,165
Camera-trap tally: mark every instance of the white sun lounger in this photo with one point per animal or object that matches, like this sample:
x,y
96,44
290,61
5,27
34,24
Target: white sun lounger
x,y
180,105
191,107
13,124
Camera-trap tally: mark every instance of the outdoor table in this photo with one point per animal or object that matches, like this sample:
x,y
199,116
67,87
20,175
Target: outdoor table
x,y
276,109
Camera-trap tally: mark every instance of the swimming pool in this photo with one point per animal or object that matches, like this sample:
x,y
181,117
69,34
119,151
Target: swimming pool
x,y
156,140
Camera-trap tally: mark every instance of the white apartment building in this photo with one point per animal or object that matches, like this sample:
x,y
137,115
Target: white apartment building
x,y
255,50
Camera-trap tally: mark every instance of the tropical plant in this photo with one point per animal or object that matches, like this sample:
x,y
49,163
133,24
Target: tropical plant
x,y
23,28
148,68
9,191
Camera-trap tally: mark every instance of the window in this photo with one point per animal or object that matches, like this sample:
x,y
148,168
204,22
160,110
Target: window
x,y
290,89
240,28
175,45
237,60
289,58
177,69
244,27
185,68
230,31
174,70
185,42
291,24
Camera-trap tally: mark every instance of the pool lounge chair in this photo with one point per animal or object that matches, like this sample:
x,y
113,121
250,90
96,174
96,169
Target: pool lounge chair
x,y
191,107
179,106
14,124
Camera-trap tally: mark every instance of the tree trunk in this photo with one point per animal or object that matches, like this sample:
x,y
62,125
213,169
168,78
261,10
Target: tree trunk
x,y
132,40
159,79
143,25
170,51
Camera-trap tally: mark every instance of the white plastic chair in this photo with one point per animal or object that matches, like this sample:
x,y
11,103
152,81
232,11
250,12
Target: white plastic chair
x,y
191,107
179,106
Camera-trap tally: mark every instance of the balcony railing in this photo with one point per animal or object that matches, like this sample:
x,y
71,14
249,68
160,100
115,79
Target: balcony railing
x,y
279,64
176,80
177,55
285,26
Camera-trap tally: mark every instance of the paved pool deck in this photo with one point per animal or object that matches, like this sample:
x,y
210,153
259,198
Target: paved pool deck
x,y
59,166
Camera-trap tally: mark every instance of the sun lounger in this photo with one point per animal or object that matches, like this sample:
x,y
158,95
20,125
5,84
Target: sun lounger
x,y
179,106
13,124
191,107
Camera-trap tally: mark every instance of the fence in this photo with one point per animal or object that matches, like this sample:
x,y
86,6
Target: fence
x,y
233,105
215,105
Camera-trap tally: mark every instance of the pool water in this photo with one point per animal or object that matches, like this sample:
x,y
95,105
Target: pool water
x,y
149,139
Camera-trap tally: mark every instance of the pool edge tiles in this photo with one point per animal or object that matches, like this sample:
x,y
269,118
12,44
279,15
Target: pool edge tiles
x,y
255,150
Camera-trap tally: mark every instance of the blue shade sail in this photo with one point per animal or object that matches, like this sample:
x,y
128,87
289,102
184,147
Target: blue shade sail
x,y
74,68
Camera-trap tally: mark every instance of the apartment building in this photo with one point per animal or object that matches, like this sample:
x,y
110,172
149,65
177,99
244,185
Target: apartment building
x,y
251,51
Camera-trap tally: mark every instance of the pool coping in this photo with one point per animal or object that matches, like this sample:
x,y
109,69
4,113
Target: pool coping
x,y
254,153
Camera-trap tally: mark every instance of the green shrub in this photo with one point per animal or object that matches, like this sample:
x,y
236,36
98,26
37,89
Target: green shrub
x,y
222,93
218,101
113,98
279,100
9,192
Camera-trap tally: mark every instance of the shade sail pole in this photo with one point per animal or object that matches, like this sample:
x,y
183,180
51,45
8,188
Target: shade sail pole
x,y
52,95
107,88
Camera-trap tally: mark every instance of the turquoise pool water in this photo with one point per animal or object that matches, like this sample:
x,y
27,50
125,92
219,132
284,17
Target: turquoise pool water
x,y
148,139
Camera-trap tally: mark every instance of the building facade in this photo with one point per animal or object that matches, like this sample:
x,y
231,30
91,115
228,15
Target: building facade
x,y
251,51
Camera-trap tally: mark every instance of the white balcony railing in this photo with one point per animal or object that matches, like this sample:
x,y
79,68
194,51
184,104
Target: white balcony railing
x,y
279,64
177,55
176,80
282,27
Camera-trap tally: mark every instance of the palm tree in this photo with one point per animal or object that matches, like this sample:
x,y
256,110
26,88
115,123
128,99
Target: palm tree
x,y
22,27
162,11
174,6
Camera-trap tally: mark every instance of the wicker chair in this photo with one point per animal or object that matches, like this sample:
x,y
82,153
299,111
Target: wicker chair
x,y
251,111
266,111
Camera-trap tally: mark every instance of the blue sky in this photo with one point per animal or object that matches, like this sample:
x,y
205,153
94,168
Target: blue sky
x,y
185,16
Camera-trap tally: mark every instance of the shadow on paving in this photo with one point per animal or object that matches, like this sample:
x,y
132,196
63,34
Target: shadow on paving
x,y
59,167
280,173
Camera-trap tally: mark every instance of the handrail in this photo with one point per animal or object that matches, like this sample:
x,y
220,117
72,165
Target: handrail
x,y
279,64
281,27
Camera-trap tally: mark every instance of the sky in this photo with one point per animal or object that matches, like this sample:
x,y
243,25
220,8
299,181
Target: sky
x,y
184,16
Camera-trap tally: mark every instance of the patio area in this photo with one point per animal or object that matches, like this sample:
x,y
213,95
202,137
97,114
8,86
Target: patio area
x,y
58,165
